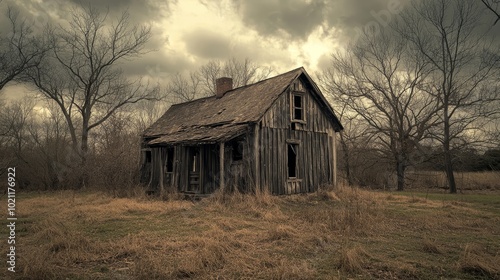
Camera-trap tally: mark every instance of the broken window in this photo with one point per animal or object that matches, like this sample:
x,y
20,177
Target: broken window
x,y
237,150
147,156
292,160
297,107
170,160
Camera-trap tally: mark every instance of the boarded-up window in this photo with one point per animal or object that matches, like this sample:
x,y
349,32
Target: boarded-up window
x,y
292,160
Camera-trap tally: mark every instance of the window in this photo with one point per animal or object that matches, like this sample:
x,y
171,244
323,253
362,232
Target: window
x,y
297,107
292,160
170,160
147,156
237,150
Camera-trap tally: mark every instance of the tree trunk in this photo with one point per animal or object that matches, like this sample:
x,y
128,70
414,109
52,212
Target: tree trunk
x,y
448,165
401,168
84,148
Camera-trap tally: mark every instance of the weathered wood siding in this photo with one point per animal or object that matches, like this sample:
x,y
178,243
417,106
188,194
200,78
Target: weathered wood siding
x,y
278,116
315,157
239,174
265,152
208,168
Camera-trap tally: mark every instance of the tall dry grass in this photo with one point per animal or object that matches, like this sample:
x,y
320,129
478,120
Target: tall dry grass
x,y
477,261
236,235
342,232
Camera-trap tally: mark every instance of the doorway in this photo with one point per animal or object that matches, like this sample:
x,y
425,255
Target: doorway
x,y
194,160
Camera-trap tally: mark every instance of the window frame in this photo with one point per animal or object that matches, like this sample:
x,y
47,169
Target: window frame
x,y
301,95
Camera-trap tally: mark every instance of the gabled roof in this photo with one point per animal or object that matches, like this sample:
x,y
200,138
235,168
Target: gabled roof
x,y
211,119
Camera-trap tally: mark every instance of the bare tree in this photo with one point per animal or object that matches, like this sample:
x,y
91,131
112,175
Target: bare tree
x,y
146,113
82,77
466,73
245,72
493,6
14,138
20,48
201,83
49,153
16,116
186,89
378,79
242,72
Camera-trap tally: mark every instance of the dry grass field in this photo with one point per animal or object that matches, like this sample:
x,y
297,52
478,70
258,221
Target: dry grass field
x,y
466,181
347,233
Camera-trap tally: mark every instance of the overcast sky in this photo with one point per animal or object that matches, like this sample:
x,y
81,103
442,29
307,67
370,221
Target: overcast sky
x,y
188,33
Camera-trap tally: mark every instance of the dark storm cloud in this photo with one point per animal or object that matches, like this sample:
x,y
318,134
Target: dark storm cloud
x,y
157,64
52,11
298,18
140,11
272,17
351,18
207,44
356,13
33,12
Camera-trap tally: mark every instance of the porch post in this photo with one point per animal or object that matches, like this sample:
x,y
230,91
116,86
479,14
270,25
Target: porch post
x,y
334,146
256,152
221,166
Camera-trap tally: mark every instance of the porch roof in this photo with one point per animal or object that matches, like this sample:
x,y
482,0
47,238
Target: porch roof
x,y
201,135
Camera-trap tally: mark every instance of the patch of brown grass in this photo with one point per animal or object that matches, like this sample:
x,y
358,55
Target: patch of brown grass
x,y
281,232
477,261
343,232
431,246
352,260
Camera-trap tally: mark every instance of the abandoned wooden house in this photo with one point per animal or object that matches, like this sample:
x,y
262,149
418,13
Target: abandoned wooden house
x,y
277,134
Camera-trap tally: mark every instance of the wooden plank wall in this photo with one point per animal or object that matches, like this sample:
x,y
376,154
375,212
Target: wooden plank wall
x,y
314,166
278,116
155,168
210,172
315,155
238,174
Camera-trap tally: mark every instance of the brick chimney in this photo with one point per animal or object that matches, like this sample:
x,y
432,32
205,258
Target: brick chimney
x,y
223,85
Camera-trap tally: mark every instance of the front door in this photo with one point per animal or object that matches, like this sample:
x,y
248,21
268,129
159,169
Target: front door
x,y
194,179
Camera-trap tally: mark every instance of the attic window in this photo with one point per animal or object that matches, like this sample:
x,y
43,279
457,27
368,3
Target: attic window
x,y
297,107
